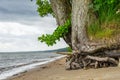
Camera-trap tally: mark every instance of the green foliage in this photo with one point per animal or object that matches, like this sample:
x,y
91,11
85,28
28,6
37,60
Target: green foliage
x,y
98,33
106,9
94,28
107,21
51,39
69,49
104,33
44,7
99,4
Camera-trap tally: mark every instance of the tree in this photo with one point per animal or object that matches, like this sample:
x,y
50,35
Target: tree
x,y
74,18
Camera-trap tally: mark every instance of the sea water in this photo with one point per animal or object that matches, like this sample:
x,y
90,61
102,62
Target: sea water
x,y
16,62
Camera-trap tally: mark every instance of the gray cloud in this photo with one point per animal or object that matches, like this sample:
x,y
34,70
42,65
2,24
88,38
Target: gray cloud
x,y
17,10
20,25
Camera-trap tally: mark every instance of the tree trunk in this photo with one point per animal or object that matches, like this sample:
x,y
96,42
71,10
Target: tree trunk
x,y
79,23
86,53
62,10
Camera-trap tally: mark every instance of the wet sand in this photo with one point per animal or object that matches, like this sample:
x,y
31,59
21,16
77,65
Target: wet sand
x,y
56,71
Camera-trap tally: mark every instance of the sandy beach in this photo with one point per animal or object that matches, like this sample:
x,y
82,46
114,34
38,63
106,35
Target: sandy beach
x,y
56,71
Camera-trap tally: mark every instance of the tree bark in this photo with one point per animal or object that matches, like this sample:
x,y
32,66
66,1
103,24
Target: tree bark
x,y
79,23
62,10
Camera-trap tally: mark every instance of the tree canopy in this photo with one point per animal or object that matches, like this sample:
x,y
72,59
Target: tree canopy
x,y
105,10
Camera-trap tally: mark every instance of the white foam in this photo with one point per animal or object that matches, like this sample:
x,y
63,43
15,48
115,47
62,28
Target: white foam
x,y
15,71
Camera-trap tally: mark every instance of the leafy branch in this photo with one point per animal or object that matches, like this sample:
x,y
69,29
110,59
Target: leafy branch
x,y
60,32
44,7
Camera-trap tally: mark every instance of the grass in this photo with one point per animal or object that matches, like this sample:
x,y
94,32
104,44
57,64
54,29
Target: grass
x,y
105,30
107,23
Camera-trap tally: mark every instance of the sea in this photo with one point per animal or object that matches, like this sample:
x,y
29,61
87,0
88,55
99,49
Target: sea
x,y
12,63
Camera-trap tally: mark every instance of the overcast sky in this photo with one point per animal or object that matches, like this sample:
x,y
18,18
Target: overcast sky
x,y
20,26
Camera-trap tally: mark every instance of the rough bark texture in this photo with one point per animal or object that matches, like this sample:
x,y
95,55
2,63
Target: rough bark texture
x,y
62,10
79,23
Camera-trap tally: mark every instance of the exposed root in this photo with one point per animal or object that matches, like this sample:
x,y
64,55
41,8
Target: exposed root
x,y
100,46
103,59
77,61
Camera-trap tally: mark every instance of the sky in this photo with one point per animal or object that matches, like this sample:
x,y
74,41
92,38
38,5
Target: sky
x,y
20,26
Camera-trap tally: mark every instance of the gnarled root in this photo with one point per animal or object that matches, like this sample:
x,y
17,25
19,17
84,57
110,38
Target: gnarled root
x,y
77,61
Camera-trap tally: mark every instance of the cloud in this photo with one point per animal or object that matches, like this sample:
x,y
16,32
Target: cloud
x,y
20,26
15,36
18,7
12,10
17,29
20,45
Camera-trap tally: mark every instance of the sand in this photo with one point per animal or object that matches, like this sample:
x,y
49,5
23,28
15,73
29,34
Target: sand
x,y
56,71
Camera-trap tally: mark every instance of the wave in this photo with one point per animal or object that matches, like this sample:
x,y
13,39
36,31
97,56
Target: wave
x,y
23,68
2,69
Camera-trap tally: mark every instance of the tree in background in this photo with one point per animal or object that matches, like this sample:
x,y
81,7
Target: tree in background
x,y
90,27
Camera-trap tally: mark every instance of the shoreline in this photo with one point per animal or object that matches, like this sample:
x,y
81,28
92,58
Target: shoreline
x,y
38,68
26,68
56,71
